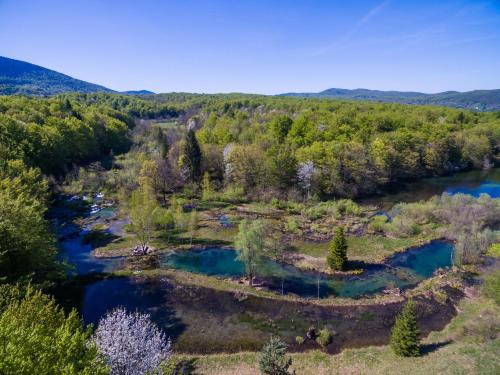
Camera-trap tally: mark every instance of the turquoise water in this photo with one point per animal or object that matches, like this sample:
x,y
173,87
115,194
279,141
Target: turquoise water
x,y
403,270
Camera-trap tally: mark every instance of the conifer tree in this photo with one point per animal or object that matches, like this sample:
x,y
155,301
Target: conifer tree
x,y
404,337
192,157
273,359
337,254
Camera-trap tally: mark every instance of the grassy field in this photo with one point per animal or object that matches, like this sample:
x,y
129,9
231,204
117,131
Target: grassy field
x,y
468,345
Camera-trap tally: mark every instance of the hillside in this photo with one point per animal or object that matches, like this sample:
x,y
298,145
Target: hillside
x,y
478,100
19,77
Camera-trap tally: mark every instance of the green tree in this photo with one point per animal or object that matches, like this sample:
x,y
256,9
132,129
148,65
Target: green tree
x,y
251,244
404,335
142,209
273,359
192,157
38,338
26,243
337,253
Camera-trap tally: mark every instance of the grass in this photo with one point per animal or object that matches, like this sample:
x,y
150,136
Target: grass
x,y
465,346
368,248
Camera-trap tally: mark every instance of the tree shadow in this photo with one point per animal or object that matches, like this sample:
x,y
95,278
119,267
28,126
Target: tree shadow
x,y
185,367
429,348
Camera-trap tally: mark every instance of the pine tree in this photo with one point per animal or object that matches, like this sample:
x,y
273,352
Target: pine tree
x,y
192,157
337,254
273,359
404,337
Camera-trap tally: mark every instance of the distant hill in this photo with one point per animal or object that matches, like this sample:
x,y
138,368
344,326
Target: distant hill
x,y
19,77
478,100
138,92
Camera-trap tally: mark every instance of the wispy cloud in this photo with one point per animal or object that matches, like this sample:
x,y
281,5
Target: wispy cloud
x,y
344,39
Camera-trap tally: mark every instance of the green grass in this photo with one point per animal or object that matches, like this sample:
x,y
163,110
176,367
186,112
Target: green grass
x,y
369,248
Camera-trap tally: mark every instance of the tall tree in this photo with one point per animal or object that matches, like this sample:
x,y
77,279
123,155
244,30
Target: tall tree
x,y
404,336
337,253
192,157
251,244
142,208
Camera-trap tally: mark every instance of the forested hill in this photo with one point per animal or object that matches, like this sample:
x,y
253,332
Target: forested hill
x,y
477,100
19,77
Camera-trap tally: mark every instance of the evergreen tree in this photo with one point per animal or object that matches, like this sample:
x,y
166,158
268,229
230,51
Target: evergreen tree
x,y
404,337
273,359
192,157
337,254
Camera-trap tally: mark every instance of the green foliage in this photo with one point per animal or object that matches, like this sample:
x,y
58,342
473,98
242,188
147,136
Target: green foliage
x,y
299,340
404,335
37,337
142,210
324,337
251,244
27,246
273,359
192,157
337,252
206,192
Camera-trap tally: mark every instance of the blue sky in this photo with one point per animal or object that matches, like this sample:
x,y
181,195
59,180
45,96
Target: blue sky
x,y
260,46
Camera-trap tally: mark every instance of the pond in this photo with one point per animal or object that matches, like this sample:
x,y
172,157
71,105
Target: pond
x,y
403,270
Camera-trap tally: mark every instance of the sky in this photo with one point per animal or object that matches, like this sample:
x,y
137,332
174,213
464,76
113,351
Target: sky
x,y
257,46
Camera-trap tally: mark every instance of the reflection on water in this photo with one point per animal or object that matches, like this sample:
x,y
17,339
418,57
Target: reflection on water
x,y
473,183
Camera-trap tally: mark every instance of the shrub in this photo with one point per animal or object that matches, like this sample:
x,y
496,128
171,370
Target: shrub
x,y
273,359
131,344
299,340
324,337
378,223
291,225
471,244
404,335
337,253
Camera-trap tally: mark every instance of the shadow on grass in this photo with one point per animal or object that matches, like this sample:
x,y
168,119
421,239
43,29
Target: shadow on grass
x,y
429,348
186,367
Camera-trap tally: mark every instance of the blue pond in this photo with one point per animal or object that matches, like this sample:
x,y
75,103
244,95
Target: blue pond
x,y
403,270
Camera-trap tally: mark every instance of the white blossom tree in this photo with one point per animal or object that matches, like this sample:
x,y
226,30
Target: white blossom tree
x,y
131,344
305,173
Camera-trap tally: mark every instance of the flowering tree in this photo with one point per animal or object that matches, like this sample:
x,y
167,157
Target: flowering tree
x,y
131,344
305,173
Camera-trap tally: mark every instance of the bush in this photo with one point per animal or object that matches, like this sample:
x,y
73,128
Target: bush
x,y
404,335
291,225
378,223
324,338
471,244
273,359
299,340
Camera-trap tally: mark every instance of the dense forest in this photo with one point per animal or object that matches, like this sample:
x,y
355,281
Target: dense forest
x,y
292,148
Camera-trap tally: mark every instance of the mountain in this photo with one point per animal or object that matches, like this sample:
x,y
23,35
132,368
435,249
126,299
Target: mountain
x,y
138,92
478,100
19,77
